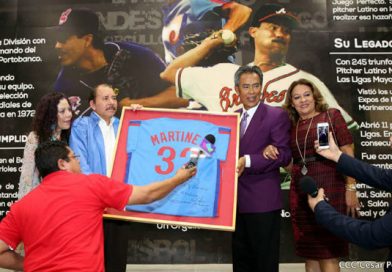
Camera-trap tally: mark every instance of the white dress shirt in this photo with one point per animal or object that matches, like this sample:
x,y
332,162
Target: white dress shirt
x,y
109,141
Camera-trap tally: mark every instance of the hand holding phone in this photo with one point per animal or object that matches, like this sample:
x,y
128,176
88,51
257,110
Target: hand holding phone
x,y
322,135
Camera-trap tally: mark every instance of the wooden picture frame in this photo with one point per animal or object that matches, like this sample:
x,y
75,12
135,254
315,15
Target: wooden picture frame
x,y
205,201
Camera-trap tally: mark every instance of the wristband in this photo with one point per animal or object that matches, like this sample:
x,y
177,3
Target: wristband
x,y
351,187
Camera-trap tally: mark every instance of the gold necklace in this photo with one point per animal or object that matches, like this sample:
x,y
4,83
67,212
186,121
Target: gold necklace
x,y
304,170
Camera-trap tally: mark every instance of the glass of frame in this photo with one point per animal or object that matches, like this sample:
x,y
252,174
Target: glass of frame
x,y
153,143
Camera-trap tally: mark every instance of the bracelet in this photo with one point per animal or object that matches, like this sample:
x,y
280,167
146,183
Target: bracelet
x,y
351,187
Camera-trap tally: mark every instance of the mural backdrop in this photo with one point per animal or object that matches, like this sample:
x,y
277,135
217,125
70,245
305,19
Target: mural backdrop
x,y
346,44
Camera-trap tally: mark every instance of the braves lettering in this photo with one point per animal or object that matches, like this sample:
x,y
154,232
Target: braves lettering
x,y
228,100
273,96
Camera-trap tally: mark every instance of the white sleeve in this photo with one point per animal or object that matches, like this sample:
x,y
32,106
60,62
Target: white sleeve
x,y
194,82
203,84
247,161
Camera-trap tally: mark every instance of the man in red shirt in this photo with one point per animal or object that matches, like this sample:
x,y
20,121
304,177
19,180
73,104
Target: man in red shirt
x,y
60,222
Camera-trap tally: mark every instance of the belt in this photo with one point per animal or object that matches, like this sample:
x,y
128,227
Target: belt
x,y
309,159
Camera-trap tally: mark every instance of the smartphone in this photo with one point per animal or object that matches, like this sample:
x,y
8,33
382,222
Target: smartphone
x,y
322,135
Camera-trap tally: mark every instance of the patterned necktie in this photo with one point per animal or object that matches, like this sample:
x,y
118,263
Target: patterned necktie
x,y
244,121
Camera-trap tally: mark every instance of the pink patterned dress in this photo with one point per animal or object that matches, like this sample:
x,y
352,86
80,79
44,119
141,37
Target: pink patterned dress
x,y
312,241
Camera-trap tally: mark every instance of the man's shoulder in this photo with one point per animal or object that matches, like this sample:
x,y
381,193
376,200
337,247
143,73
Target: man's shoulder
x,y
67,72
304,74
271,108
88,178
226,66
273,111
132,55
134,48
57,174
96,177
84,122
94,180
66,177
66,79
216,73
218,66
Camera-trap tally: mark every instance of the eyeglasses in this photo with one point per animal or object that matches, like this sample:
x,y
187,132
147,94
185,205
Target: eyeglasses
x,y
76,157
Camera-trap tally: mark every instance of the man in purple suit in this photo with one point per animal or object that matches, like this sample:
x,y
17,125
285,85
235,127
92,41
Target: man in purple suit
x,y
256,238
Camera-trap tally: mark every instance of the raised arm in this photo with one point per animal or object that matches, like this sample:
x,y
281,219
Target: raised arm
x,y
352,202
164,99
238,16
157,190
369,234
366,173
361,171
191,57
27,174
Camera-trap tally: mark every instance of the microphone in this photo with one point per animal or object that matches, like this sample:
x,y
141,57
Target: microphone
x,y
210,138
308,186
206,146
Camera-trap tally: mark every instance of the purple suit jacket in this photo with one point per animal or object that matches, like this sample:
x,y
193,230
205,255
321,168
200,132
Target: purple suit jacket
x,y
259,186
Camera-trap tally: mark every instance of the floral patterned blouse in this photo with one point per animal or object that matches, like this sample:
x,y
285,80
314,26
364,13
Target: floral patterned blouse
x,y
29,176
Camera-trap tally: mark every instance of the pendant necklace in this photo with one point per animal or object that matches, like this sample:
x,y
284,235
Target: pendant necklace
x,y
55,136
304,170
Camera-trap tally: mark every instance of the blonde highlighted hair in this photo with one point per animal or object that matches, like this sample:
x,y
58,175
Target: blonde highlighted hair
x,y
320,106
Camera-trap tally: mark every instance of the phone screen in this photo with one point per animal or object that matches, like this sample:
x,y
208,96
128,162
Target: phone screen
x,y
322,130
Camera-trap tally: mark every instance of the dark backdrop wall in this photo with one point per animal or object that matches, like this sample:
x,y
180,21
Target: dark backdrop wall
x,y
346,44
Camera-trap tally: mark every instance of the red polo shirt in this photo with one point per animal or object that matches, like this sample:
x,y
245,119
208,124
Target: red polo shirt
x,y
60,221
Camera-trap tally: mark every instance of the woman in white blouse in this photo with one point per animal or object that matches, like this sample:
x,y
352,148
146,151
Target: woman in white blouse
x,y
52,121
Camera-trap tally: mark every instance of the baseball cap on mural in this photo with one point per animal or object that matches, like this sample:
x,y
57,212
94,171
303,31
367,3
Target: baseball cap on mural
x,y
274,13
77,22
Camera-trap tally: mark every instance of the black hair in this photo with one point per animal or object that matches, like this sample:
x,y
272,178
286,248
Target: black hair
x,y
97,42
45,119
93,93
47,155
247,70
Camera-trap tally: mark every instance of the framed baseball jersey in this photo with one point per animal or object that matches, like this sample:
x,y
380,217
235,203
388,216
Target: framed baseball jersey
x,y
153,144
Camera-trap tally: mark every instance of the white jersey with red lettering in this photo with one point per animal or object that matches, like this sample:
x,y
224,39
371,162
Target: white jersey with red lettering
x,y
214,87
